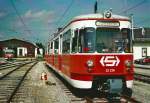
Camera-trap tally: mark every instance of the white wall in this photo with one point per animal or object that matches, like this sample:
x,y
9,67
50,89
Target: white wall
x,y
137,51
24,51
148,51
35,52
40,52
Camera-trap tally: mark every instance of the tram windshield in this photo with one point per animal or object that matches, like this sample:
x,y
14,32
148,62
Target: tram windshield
x,y
112,40
105,40
87,40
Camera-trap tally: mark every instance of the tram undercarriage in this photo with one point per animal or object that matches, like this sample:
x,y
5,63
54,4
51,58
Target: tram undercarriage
x,y
111,86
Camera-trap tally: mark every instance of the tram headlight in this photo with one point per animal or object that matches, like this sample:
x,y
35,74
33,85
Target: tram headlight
x,y
90,63
108,14
128,64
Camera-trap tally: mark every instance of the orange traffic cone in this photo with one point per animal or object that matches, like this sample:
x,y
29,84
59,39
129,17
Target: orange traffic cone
x,y
44,76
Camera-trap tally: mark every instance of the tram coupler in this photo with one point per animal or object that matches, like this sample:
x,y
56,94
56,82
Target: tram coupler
x,y
114,86
110,86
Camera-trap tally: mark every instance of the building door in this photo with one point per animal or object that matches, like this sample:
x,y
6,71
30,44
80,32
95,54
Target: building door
x,y
20,52
15,52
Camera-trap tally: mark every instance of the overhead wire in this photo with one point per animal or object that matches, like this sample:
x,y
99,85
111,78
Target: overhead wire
x,y
133,7
21,19
63,15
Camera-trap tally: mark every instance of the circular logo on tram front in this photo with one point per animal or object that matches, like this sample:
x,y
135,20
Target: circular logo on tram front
x,y
109,61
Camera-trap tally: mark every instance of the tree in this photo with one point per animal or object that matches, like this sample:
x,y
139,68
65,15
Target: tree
x,y
40,45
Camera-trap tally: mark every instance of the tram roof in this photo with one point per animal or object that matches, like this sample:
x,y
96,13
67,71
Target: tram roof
x,y
99,15
92,16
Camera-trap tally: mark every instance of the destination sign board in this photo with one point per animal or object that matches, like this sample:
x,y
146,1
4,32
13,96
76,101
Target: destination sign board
x,y
107,23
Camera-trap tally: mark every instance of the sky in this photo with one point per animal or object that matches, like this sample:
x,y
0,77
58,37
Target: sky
x,y
36,20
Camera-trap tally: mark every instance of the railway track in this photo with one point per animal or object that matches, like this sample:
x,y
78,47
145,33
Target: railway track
x,y
123,99
142,66
142,78
11,82
81,96
12,64
8,68
69,91
142,74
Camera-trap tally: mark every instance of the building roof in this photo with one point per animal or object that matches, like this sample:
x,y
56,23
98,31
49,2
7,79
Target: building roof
x,y
142,34
16,43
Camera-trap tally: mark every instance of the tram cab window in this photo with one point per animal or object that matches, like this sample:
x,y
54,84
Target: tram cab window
x,y
66,42
80,41
86,40
123,44
56,46
127,39
113,40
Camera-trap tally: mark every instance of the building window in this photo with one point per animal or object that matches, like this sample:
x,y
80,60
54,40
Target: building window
x,y
144,52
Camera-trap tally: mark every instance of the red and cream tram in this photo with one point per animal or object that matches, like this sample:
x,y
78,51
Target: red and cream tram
x,y
94,51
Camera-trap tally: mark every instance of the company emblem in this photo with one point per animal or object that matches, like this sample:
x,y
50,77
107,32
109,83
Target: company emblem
x,y
109,61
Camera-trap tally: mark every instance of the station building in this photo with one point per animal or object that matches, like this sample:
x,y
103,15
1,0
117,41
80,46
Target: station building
x,y
21,48
141,43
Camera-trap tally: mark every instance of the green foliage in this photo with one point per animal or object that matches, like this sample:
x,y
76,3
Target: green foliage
x,y
40,45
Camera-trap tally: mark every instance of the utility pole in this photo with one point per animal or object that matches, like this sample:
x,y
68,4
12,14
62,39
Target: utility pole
x,y
132,27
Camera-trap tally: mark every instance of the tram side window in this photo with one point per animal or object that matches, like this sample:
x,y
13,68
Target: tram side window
x,y
74,42
66,42
51,48
81,40
127,39
86,40
56,46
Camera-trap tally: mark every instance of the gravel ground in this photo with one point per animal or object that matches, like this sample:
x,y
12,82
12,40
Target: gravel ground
x,y
141,92
39,92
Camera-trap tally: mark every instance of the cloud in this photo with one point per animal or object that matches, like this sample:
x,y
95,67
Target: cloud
x,y
2,35
40,18
44,17
39,22
37,15
2,14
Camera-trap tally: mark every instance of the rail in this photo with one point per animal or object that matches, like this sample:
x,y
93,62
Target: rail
x,y
72,94
13,70
123,99
12,80
142,77
10,65
19,84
